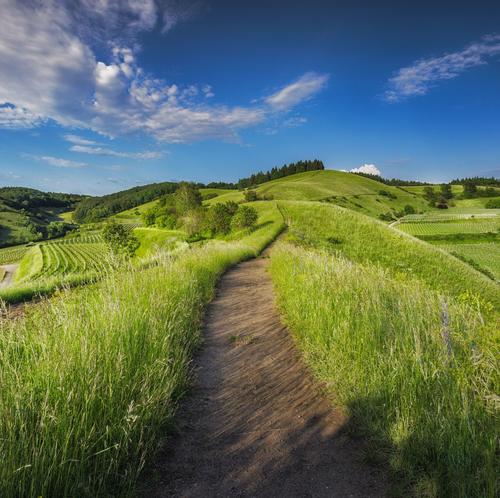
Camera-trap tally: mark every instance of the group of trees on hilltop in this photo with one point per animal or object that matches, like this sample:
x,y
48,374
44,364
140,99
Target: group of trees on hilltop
x,y
94,209
275,173
185,209
478,181
394,182
28,198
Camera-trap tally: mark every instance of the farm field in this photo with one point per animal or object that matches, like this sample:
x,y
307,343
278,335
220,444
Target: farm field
x,y
485,255
451,226
12,254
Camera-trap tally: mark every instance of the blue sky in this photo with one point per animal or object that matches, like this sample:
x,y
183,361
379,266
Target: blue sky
x,y
101,95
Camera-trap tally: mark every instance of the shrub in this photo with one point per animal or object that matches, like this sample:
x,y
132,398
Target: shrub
x,y
250,195
120,240
245,217
219,219
409,209
493,204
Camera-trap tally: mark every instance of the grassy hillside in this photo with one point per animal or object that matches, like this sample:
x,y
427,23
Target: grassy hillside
x,y
98,208
405,336
336,187
98,373
25,213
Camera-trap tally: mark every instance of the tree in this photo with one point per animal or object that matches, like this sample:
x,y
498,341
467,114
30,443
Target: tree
x,y
430,196
409,209
194,221
120,240
219,219
245,217
446,191
470,189
186,197
149,216
250,195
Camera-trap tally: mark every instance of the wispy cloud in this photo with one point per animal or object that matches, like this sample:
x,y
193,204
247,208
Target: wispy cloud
x,y
59,162
58,76
77,140
423,75
103,151
299,91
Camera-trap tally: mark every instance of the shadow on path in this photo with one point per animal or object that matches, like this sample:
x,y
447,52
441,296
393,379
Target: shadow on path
x,y
255,424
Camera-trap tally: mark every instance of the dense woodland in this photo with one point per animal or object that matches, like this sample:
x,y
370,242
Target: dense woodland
x,y
26,198
275,173
97,208
477,180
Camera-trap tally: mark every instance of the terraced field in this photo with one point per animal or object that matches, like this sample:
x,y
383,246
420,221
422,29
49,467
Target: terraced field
x,y
12,254
63,257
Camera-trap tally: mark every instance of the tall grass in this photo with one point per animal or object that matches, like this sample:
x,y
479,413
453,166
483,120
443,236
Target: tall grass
x,y
89,380
365,240
415,370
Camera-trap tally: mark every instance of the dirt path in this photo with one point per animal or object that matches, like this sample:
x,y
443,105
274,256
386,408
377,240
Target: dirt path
x,y
9,275
255,424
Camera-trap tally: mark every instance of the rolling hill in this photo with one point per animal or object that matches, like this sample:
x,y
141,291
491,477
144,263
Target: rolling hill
x,y
336,187
25,213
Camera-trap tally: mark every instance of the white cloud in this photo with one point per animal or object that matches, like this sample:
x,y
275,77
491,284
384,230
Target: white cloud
x,y
57,76
299,91
15,118
369,169
59,162
75,139
421,76
103,151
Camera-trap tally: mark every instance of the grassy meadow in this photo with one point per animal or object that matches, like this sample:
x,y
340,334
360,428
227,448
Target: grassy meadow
x,y
404,336
94,375
402,332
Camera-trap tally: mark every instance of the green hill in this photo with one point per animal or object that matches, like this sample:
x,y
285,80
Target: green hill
x,y
336,187
25,213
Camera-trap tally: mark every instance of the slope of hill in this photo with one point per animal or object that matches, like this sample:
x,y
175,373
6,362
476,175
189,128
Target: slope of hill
x,y
25,213
344,189
97,208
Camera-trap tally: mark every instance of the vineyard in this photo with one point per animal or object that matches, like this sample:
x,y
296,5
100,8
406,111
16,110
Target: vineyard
x,y
450,227
64,257
485,255
12,254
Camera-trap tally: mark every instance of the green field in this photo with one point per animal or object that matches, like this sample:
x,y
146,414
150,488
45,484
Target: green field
x,y
12,254
366,307
344,189
98,373
485,255
449,227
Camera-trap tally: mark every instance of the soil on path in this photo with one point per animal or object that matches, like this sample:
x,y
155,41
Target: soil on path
x,y
255,423
9,275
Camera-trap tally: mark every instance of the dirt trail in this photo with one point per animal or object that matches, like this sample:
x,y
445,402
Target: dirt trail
x,y
255,424
9,275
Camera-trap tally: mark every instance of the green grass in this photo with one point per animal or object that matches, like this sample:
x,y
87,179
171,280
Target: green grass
x,y
404,335
152,239
450,227
94,376
12,254
345,189
415,370
485,255
364,240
